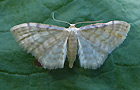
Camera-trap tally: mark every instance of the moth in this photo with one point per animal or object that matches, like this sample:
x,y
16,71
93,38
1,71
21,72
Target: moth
x,y
51,44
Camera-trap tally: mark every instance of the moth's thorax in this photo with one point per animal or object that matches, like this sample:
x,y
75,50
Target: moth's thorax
x,y
72,28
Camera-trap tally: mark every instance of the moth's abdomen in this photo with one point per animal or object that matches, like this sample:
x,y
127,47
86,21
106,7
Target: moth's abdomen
x,y
72,48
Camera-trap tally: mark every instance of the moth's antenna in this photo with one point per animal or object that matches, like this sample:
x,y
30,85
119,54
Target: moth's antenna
x,y
59,20
89,22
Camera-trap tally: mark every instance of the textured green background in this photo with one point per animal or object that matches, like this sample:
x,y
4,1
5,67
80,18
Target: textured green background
x,y
121,70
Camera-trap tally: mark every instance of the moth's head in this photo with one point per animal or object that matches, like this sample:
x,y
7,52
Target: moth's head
x,y
72,26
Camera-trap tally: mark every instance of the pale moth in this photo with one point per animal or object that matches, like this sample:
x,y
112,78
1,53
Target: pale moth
x,y
51,44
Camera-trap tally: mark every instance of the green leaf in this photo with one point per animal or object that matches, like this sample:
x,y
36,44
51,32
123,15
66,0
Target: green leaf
x,y
121,70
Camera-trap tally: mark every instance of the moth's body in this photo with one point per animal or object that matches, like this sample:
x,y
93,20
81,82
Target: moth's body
x,y
72,45
51,44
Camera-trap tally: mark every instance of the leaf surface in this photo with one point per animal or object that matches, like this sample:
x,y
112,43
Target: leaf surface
x,y
120,71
